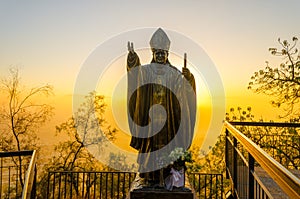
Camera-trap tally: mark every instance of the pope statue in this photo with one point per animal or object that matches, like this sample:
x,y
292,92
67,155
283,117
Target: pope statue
x,y
161,109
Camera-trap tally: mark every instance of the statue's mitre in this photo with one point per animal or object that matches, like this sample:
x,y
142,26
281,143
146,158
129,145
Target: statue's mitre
x,y
160,40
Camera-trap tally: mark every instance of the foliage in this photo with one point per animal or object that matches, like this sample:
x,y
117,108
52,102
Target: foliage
x,y
281,83
211,162
239,114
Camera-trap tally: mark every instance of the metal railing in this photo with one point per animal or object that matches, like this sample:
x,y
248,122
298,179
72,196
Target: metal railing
x,y
207,185
73,184
17,180
241,168
116,185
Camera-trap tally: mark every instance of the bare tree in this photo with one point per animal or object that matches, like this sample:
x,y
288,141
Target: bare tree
x,y
281,83
21,116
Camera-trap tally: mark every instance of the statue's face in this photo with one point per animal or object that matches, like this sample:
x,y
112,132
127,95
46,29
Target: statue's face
x,y
160,56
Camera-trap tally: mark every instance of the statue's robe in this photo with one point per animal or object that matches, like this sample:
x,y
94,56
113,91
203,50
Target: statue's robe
x,y
164,85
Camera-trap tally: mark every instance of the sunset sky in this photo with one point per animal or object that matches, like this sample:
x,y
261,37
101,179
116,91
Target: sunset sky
x,y
51,40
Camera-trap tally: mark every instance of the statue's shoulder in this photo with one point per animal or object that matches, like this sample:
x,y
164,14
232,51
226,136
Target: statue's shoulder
x,y
176,69
145,67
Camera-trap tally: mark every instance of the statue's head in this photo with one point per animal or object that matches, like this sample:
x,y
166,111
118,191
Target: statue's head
x,y
160,56
160,45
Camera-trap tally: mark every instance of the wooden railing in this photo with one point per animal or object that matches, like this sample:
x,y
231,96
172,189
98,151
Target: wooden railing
x,y
241,169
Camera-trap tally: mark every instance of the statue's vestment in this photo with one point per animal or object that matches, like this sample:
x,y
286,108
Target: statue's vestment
x,y
164,85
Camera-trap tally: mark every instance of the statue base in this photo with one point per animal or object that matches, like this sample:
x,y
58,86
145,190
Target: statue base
x,y
150,193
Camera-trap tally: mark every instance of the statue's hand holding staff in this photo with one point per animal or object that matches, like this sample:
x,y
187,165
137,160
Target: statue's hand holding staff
x,y
185,71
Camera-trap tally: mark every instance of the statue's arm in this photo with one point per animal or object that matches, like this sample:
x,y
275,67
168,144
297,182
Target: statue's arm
x,y
189,77
192,82
133,82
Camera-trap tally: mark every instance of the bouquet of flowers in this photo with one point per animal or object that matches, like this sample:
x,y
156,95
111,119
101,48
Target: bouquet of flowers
x,y
178,157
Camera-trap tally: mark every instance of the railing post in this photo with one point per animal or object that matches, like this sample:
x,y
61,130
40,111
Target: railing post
x,y
33,191
226,153
48,185
235,169
250,177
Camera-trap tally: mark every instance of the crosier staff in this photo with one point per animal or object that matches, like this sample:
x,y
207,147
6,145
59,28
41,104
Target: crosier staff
x,y
184,60
185,71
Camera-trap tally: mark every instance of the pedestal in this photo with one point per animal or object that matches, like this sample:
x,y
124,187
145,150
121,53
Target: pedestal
x,y
161,194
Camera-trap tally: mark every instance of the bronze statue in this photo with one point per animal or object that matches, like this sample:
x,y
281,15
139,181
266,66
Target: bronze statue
x,y
158,83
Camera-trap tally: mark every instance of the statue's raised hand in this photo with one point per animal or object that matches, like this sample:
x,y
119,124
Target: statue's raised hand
x,y
186,73
130,47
